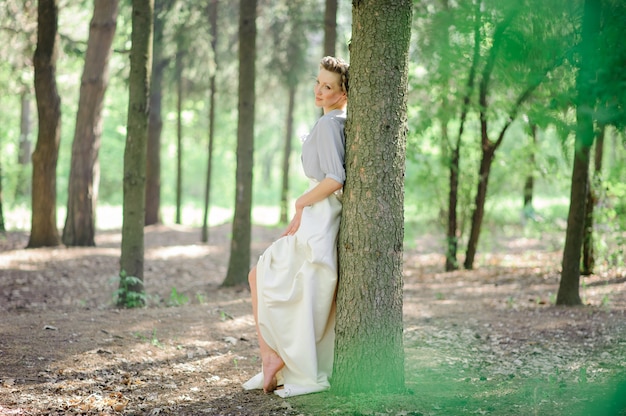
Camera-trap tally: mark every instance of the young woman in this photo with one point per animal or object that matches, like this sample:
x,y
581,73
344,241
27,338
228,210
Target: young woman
x,y
293,285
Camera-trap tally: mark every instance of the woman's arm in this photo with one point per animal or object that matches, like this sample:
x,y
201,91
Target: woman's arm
x,y
321,191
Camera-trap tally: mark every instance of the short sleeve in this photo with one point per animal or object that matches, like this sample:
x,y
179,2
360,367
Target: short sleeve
x,y
331,149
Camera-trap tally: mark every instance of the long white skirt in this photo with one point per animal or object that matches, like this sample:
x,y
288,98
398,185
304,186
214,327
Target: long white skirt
x,y
296,283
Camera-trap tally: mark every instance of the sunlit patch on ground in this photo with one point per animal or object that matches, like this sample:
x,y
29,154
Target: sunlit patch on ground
x,y
483,341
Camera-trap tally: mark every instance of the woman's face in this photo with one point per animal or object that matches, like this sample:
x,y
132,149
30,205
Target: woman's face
x,y
328,93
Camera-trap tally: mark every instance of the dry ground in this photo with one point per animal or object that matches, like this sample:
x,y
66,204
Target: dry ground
x,y
487,341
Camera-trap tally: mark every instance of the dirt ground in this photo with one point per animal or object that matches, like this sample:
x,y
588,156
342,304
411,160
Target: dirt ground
x,y
66,349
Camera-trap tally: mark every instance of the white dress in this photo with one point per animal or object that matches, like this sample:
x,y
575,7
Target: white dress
x,y
296,283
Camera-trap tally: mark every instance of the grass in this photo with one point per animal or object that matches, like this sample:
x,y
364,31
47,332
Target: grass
x,y
453,390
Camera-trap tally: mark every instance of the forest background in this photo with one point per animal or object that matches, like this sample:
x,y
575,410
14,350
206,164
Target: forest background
x,y
528,185
489,81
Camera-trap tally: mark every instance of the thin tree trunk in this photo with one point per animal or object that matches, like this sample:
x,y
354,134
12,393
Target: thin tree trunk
x,y
614,146
132,257
479,205
589,261
80,227
179,133
212,12
330,27
155,124
44,230
369,354
487,146
453,195
529,184
25,129
23,186
569,285
2,227
284,194
455,157
239,262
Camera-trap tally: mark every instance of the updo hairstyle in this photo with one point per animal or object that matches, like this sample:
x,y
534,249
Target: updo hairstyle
x,y
338,66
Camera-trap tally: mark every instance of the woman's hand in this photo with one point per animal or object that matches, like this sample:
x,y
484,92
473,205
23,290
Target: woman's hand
x,y
323,190
294,224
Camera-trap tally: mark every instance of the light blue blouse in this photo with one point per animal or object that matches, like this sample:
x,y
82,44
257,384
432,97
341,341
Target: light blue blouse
x,y
324,149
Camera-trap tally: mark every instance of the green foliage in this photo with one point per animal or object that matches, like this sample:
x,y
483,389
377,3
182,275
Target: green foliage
x,y
125,296
201,298
225,315
153,340
441,55
177,299
609,225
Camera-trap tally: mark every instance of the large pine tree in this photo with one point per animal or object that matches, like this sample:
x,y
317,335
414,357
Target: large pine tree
x,y
369,353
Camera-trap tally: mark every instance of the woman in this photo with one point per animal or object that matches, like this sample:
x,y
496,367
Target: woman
x,y
293,285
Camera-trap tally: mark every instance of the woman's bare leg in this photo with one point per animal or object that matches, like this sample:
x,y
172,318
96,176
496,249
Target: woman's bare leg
x,y
272,363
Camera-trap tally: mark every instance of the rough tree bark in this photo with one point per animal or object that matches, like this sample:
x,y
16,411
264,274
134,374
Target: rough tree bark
x,y
80,223
44,230
239,262
369,353
132,257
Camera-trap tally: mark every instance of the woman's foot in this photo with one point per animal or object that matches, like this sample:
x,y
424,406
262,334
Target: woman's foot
x,y
272,364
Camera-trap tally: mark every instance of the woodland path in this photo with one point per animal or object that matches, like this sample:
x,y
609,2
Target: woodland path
x,y
470,336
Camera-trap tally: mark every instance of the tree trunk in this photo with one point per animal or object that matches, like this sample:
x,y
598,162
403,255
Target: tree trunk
x,y
84,178
455,158
453,194
589,260
132,258
155,123
489,147
369,354
569,285
44,230
212,13
529,184
568,293
179,132
239,262
330,27
23,186
2,227
479,205
23,157
284,194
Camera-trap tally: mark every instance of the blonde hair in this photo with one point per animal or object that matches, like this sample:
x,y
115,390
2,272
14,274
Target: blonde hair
x,y
338,66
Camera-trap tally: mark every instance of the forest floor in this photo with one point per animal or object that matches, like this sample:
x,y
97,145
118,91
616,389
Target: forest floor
x,y
487,341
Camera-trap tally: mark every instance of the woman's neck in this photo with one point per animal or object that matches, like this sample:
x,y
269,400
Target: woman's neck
x,y
335,107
